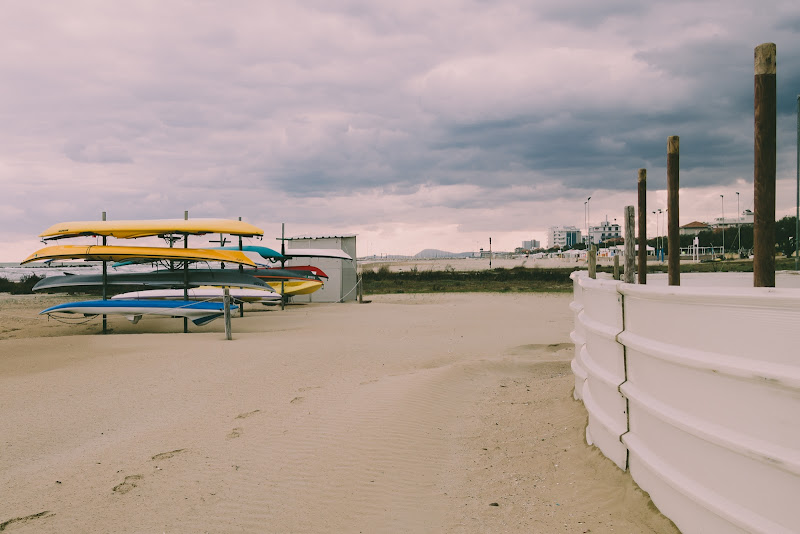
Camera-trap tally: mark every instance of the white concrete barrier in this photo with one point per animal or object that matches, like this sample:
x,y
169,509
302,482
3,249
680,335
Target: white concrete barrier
x,y
708,385
604,360
577,336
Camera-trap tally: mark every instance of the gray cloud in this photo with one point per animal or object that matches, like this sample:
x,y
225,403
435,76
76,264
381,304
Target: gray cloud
x,y
355,115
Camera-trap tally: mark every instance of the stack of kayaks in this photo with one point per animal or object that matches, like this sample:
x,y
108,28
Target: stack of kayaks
x,y
200,310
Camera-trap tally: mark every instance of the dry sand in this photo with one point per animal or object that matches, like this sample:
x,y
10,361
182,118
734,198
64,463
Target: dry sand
x,y
413,413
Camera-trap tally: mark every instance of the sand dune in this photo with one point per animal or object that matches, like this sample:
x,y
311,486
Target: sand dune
x,y
413,413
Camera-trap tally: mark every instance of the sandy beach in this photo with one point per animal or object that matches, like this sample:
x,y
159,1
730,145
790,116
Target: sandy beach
x,y
412,413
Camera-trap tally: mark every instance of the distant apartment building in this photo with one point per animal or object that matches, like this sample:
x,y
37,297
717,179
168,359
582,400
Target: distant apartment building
x,y
532,244
563,236
693,228
604,231
746,217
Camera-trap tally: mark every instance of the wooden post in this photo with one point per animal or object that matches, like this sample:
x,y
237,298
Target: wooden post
x,y
630,238
241,270
360,283
616,266
186,274
673,212
283,263
105,284
226,299
592,262
765,109
642,267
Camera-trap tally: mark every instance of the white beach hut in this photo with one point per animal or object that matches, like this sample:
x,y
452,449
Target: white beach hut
x,y
341,284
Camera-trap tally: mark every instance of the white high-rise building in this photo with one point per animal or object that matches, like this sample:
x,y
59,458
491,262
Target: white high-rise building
x,y
563,236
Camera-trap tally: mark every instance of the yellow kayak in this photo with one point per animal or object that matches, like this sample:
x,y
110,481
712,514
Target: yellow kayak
x,y
133,229
296,287
120,253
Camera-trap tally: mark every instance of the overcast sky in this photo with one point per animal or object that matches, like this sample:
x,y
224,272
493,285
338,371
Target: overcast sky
x,y
412,124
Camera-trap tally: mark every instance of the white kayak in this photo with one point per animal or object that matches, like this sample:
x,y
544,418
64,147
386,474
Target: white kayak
x,y
199,312
203,293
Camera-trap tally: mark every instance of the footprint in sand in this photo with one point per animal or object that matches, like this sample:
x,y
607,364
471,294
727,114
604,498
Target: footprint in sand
x,y
128,484
25,519
247,414
235,433
165,455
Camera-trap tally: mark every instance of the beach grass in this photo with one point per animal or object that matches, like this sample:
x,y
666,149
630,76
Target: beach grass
x,y
517,279
23,287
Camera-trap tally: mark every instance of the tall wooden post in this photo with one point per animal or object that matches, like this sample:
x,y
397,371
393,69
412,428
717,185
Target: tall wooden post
x,y
241,270
592,262
186,274
616,266
673,213
642,182
283,261
630,240
765,106
105,283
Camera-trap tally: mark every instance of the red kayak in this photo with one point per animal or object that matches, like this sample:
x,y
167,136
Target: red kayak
x,y
316,271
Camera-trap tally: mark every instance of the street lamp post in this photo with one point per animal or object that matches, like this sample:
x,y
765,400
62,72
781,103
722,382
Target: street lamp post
x,y
722,197
588,218
661,249
586,221
656,214
738,223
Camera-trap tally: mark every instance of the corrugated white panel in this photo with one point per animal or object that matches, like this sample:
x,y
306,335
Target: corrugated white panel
x,y
714,398
710,393
577,335
783,279
604,361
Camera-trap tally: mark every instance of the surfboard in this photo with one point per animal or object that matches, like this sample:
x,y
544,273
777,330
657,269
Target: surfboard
x,y
127,229
271,274
201,293
273,255
200,313
317,253
296,287
265,252
160,279
316,271
121,253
